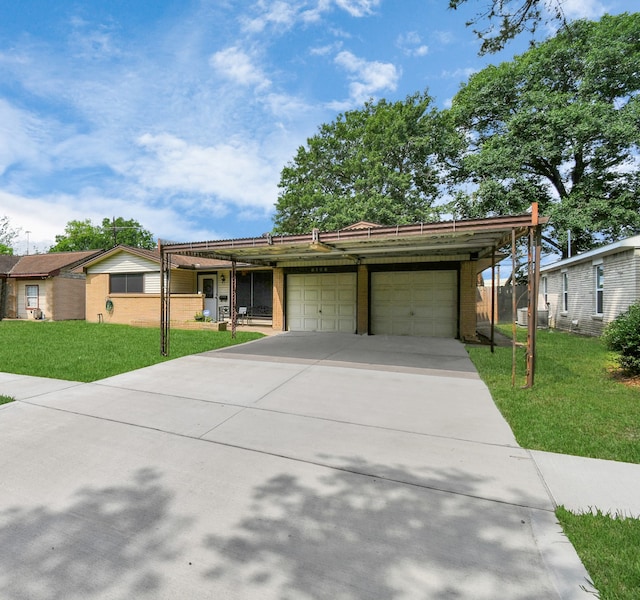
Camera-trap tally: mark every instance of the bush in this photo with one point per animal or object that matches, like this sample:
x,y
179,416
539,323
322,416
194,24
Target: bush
x,y
623,336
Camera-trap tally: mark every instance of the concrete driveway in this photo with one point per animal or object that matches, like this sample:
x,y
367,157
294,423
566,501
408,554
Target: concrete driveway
x,y
298,467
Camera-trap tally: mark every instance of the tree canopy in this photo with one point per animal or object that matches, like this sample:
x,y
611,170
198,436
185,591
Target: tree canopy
x,y
83,235
560,125
7,235
374,164
503,20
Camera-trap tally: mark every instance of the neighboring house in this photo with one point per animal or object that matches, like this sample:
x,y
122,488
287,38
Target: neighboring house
x,y
415,280
587,291
45,286
123,286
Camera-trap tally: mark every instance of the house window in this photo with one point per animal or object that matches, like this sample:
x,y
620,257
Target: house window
x,y
565,292
599,271
545,291
31,292
126,283
255,291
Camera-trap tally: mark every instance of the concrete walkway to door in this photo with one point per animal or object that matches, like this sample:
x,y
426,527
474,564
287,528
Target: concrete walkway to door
x,y
299,466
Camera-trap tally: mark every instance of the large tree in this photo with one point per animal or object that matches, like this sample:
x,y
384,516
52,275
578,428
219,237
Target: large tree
x,y
499,21
7,235
559,125
84,235
374,164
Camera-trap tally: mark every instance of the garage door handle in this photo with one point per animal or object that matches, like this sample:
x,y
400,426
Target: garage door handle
x,y
320,310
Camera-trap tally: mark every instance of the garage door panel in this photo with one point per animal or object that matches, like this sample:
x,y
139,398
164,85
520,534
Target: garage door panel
x,y
419,303
321,302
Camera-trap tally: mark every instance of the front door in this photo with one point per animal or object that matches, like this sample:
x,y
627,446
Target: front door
x,y
207,286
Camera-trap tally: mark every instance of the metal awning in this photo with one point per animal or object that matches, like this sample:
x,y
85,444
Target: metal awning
x,y
467,240
460,240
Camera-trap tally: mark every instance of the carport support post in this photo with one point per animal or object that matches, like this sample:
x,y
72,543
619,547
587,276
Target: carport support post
x,y
493,299
165,296
534,274
514,307
234,297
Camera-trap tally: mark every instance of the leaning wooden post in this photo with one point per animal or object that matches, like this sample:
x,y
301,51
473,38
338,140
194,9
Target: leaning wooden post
x,y
234,308
165,309
532,287
514,308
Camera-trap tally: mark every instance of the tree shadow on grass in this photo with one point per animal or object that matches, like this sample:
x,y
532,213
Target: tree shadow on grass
x,y
112,538
335,534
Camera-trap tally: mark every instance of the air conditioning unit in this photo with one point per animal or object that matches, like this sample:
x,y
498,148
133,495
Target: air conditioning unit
x,y
523,317
542,321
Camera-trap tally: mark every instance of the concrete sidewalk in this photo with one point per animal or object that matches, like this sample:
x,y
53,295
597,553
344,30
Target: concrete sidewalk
x,y
298,466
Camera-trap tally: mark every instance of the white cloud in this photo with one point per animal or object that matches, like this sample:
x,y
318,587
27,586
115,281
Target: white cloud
x,y
368,77
235,64
583,9
20,137
411,44
279,14
358,8
459,73
234,171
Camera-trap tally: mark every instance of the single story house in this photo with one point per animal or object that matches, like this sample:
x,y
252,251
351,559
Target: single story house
x,y
585,292
417,280
123,285
45,286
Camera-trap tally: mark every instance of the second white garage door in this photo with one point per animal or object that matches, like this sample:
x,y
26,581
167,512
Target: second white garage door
x,y
420,303
321,302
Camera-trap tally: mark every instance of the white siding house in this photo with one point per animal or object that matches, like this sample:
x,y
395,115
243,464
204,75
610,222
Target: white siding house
x,y
585,292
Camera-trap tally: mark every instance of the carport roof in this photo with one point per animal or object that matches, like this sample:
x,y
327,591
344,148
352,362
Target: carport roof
x,y
471,239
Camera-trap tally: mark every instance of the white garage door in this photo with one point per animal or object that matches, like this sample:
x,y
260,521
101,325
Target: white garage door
x,y
419,303
321,302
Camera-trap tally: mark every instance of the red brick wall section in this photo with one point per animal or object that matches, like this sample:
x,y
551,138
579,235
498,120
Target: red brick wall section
x,y
136,309
467,301
68,298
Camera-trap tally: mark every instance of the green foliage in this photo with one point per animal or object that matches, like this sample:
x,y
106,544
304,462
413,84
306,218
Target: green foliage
x,y
622,335
7,235
375,164
80,351
83,235
575,407
559,125
508,18
609,547
6,399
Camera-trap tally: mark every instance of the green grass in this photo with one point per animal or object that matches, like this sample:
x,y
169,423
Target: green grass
x,y
6,399
575,407
80,351
610,550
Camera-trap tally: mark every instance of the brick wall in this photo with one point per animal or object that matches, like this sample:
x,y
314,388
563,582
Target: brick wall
x,y
278,299
68,298
135,308
467,301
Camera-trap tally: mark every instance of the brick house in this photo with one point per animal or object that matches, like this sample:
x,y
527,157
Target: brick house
x,y
45,286
123,286
587,291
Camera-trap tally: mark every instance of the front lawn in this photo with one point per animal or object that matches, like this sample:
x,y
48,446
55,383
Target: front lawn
x,y
80,351
575,407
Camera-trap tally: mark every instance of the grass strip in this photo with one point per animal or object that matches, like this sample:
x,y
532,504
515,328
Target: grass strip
x,y
575,407
6,399
609,547
80,351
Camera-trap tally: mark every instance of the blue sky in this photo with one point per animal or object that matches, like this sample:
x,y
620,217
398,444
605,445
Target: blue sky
x,y
181,113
